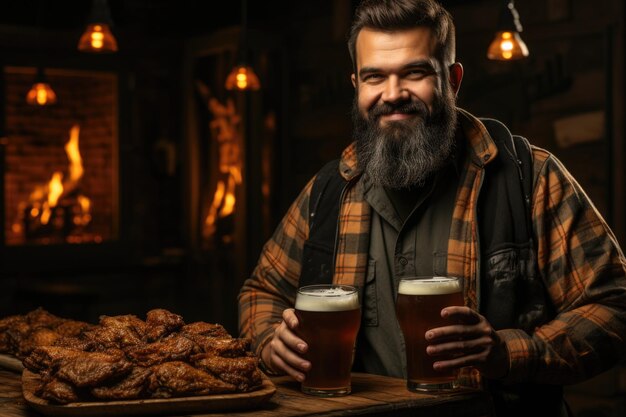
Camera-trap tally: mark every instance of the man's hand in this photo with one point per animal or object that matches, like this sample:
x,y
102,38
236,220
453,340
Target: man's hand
x,y
282,353
472,342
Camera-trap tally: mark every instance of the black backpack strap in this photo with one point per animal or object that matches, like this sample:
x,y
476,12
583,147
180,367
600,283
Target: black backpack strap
x,y
505,196
524,156
318,257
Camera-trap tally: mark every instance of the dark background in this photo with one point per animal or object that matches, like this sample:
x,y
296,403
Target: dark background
x,y
575,68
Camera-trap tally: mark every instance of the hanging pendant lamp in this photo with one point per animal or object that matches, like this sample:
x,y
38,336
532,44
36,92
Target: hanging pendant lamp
x,y
242,76
508,44
41,94
97,37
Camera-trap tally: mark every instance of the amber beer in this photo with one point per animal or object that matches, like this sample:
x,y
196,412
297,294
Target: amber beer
x,y
419,305
329,317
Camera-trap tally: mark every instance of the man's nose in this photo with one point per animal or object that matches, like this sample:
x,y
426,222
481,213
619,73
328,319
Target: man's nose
x,y
394,90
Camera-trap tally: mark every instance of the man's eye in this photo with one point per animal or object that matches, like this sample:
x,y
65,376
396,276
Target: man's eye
x,y
370,78
418,74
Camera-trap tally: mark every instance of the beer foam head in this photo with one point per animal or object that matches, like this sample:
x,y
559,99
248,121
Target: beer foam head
x,y
430,286
327,299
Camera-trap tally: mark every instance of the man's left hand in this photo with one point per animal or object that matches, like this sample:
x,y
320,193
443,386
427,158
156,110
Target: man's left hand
x,y
471,342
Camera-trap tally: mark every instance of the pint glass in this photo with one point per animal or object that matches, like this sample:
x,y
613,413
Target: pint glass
x,y
329,317
418,308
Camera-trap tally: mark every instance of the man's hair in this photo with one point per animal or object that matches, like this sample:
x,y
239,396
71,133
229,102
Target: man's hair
x,y
392,15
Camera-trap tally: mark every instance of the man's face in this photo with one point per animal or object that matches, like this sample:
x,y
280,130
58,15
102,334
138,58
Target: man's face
x,y
396,67
404,115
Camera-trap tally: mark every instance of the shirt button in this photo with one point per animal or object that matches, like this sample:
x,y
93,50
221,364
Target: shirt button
x,y
403,261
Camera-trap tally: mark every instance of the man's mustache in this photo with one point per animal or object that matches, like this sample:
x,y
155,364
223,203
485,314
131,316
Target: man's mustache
x,y
408,107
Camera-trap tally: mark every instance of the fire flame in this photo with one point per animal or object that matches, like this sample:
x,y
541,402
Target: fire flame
x,y
55,189
73,154
224,128
44,198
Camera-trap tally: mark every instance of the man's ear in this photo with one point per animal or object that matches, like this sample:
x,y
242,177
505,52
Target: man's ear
x,y
456,76
353,78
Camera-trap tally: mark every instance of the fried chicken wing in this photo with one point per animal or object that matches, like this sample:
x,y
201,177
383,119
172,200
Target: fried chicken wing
x,y
172,348
57,391
76,343
205,329
161,323
242,372
17,334
42,318
127,321
218,346
72,328
177,379
8,321
35,338
115,335
134,385
6,324
46,358
89,369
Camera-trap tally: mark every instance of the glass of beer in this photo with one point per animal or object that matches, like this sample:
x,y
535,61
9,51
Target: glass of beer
x,y
418,308
329,317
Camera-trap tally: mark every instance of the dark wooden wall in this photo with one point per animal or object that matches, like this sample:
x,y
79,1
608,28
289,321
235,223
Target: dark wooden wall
x,y
574,75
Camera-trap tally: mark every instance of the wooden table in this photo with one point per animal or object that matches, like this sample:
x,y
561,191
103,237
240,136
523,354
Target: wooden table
x,y
372,395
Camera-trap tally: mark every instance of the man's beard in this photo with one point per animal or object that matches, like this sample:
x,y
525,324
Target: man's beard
x,y
405,153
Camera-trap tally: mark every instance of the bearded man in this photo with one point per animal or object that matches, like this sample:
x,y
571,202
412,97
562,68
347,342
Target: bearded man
x,y
413,179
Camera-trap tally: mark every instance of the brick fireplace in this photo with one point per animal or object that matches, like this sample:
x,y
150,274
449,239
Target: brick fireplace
x,y
61,168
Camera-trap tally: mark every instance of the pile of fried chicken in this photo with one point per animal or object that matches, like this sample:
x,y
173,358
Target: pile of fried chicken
x,y
126,358
21,334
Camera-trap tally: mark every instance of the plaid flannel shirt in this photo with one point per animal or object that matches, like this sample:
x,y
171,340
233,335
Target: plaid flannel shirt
x,y
579,260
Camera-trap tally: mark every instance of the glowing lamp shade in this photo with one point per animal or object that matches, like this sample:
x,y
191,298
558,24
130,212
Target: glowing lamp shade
x,y
242,77
41,94
97,38
507,46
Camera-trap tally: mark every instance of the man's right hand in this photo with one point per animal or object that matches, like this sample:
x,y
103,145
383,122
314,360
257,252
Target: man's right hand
x,y
282,353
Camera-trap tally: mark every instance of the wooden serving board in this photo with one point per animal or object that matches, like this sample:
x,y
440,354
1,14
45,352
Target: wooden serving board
x,y
205,403
11,363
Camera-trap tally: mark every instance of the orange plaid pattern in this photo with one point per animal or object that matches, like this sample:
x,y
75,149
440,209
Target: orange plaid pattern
x,y
578,257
